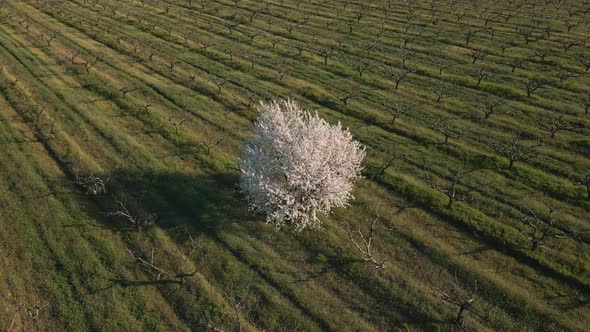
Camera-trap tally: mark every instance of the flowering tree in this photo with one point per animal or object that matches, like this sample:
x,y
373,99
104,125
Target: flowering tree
x,y
297,164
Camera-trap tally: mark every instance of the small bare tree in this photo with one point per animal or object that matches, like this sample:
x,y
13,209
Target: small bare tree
x,y
157,272
442,126
326,52
582,179
363,243
136,219
93,184
345,96
488,107
540,228
480,73
515,150
464,302
532,84
24,316
451,185
397,74
395,110
386,162
556,124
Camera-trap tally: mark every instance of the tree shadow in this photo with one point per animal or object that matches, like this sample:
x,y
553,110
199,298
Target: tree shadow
x,y
205,203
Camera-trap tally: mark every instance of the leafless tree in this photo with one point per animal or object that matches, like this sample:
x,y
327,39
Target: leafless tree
x,y
488,107
515,150
93,184
363,243
469,33
170,64
442,126
516,63
395,110
345,96
275,41
584,61
541,228
49,37
326,52
406,54
565,75
532,84
90,61
157,272
480,73
441,92
134,218
567,44
186,35
464,302
211,141
397,74
300,47
582,179
451,185
477,55
359,63
556,124
127,89
25,316
177,122
386,162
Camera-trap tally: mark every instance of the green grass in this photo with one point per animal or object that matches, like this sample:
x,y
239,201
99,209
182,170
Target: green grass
x,y
60,247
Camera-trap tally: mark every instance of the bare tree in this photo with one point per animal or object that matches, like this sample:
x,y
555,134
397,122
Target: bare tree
x,y
177,122
127,89
584,61
469,33
326,52
386,162
395,110
480,73
567,44
363,242
540,228
464,302
220,82
397,74
134,218
90,61
582,179
451,185
515,151
171,64
49,37
157,272
554,125
477,55
211,141
532,84
93,184
565,75
359,63
345,96
441,92
25,316
488,107
516,63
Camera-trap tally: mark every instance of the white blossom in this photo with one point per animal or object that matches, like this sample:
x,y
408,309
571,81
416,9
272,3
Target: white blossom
x,y
297,165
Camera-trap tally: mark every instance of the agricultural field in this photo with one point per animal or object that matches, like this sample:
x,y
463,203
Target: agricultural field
x,y
121,124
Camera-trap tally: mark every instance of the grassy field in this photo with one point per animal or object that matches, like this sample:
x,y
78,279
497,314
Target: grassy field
x,y
156,96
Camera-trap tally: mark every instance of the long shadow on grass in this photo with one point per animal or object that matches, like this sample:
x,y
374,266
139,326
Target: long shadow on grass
x,y
205,203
